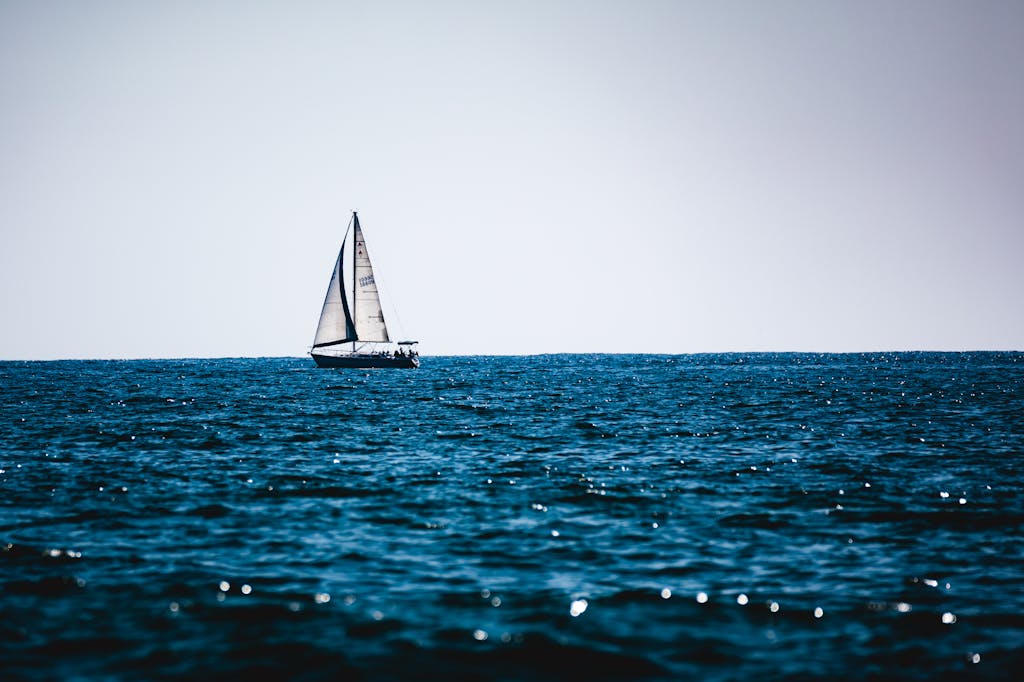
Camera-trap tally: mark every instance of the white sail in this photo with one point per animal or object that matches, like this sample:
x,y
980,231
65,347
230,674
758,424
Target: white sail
x,y
335,324
366,309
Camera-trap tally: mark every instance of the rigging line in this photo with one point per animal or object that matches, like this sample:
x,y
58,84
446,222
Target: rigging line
x,y
394,312
387,297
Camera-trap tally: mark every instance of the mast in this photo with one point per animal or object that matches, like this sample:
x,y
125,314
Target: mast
x,y
355,231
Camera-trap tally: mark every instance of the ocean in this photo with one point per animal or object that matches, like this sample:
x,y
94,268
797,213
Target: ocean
x,y
555,517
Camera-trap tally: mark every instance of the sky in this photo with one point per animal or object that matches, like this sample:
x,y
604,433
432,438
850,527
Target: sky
x,y
532,177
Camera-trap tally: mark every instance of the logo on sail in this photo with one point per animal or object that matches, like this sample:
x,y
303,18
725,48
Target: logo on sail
x,y
366,281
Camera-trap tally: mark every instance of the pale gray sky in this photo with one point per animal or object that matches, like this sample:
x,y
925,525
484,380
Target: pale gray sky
x,y
532,176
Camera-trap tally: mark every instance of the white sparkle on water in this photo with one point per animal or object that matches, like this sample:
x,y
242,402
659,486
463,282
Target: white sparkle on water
x,y
577,607
702,597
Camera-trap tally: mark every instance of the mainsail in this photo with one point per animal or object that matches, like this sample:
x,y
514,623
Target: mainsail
x,y
335,324
359,318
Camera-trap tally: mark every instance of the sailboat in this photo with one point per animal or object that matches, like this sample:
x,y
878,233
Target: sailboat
x,y
352,331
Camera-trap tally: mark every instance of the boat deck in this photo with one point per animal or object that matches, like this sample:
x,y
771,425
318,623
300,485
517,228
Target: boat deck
x,y
366,360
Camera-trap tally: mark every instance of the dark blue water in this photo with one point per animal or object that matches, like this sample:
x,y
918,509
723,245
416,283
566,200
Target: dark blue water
x,y
711,517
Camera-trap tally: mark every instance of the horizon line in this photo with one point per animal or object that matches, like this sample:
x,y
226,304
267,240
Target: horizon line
x,y
538,354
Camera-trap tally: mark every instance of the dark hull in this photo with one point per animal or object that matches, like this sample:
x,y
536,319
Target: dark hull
x,y
357,361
